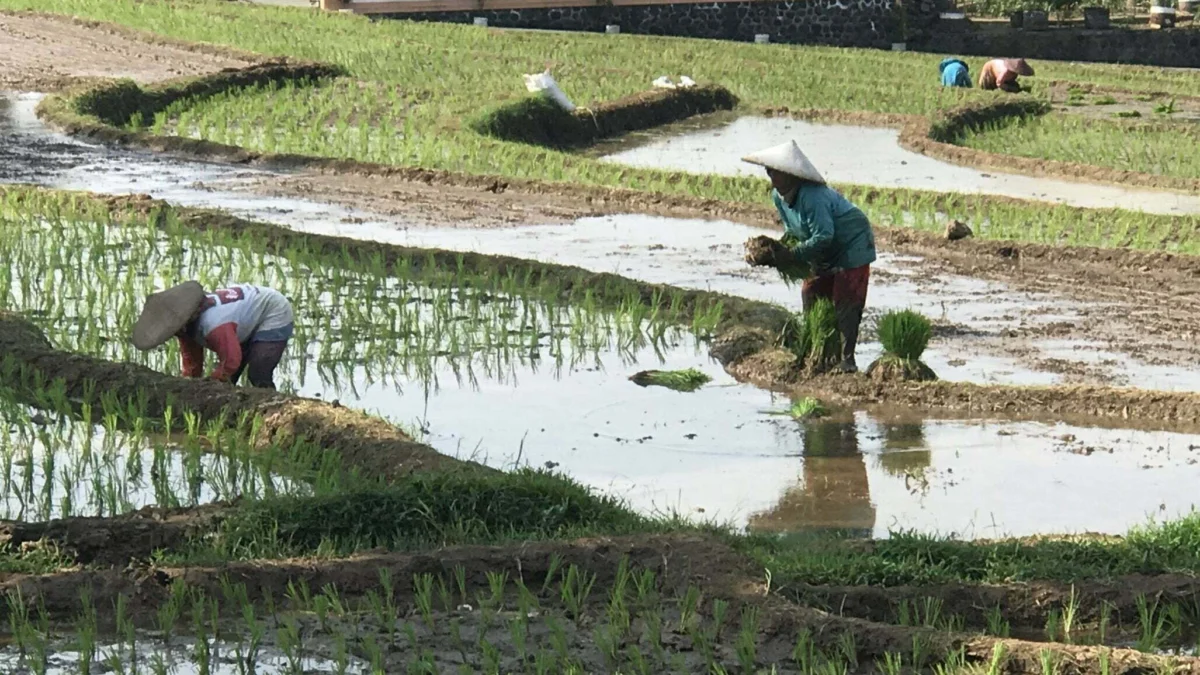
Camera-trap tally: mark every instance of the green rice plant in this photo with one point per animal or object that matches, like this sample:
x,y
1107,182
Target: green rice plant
x,y
1167,108
904,335
1104,100
806,408
677,380
997,625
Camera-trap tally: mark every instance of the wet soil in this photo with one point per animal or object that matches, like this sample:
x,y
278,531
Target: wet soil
x,y
1024,605
114,540
1105,103
40,52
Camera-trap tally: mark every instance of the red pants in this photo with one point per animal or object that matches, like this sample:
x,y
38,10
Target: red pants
x,y
848,292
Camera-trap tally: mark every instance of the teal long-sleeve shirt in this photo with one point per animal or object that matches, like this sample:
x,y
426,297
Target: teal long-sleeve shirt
x,y
833,233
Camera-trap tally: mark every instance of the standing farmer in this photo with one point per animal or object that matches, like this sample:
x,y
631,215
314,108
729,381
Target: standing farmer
x,y
1002,74
955,73
835,239
247,326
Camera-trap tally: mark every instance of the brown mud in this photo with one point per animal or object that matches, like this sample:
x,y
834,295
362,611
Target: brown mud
x,y
752,356
1025,606
44,52
367,444
678,562
115,540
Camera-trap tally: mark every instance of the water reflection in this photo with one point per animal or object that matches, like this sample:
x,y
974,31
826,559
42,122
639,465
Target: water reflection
x,y
833,494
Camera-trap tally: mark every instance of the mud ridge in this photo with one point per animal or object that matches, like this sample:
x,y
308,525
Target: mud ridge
x,y
1023,605
940,135
363,443
538,121
751,356
115,540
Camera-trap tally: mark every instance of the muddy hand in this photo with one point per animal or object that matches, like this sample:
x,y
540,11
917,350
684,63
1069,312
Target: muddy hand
x,y
761,250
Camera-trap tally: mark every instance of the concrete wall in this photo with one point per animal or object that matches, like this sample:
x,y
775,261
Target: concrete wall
x,y
1175,48
847,23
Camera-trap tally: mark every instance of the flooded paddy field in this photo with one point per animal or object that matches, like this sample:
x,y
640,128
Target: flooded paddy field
x,y
460,473
877,160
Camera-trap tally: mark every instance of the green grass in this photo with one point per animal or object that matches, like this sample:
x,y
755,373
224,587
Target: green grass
x,y
1085,140
925,559
426,510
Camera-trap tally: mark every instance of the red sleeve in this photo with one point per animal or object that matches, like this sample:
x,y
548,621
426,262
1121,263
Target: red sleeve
x,y
224,341
192,355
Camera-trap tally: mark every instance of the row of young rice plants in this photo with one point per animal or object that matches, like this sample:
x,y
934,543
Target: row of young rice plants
x,y
565,622
60,461
81,273
280,117
1075,138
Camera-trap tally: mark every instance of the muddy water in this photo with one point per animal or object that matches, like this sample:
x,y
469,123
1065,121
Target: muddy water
x,y
873,156
718,453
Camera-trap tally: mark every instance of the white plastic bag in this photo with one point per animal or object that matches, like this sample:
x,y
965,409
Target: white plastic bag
x,y
545,85
663,82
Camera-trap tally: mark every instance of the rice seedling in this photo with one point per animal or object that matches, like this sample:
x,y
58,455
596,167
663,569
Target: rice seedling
x,y
1071,138
807,408
677,380
395,322
904,334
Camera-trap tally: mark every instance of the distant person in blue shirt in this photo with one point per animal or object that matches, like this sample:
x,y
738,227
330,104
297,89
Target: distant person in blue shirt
x,y
955,73
834,238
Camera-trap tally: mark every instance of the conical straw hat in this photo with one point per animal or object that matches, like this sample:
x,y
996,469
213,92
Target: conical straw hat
x,y
1020,65
786,157
165,313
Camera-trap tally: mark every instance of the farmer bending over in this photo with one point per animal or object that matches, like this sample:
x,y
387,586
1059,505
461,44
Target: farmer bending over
x,y
247,326
955,73
835,239
1002,74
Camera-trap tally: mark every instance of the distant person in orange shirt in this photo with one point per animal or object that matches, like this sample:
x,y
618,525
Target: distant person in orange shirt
x,y
1003,73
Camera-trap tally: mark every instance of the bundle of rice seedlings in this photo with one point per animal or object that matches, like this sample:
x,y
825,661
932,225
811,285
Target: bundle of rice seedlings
x,y
814,338
793,271
677,380
760,250
904,334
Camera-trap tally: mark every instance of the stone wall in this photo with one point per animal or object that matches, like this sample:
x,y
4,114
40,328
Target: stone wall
x,y
845,23
1175,48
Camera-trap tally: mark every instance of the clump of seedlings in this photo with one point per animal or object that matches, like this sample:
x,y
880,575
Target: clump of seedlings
x,y
763,251
807,408
678,380
904,334
814,338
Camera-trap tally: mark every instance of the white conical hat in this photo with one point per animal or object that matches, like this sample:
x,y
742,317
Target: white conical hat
x,y
786,157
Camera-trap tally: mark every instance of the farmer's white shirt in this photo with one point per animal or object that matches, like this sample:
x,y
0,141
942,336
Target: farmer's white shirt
x,y
251,308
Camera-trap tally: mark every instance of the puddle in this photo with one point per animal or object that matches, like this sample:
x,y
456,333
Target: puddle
x,y
877,159
979,479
